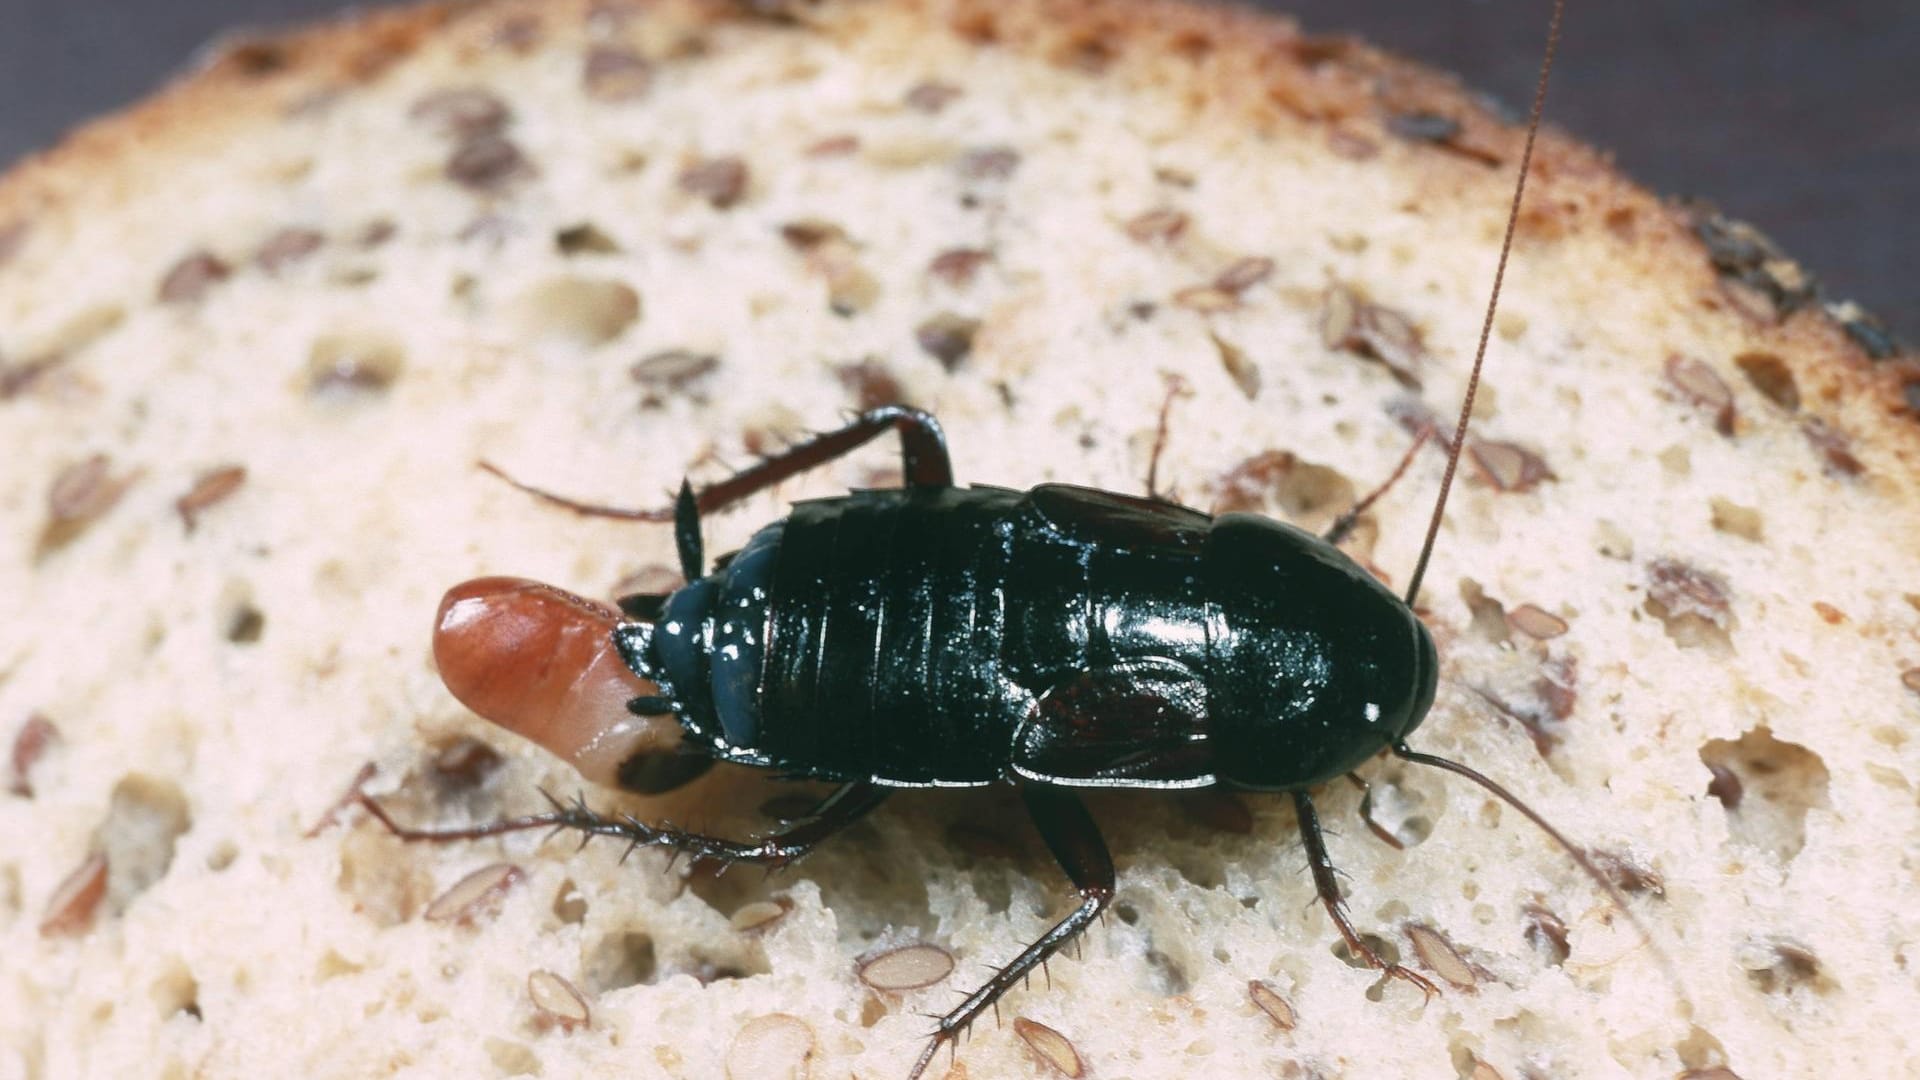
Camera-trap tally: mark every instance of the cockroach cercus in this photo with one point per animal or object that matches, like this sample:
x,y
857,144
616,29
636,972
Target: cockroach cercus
x,y
935,635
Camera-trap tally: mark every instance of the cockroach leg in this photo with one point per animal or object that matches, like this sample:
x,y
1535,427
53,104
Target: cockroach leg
x,y
686,533
1076,844
352,795
584,509
1329,889
923,452
1366,813
1177,387
1344,524
846,805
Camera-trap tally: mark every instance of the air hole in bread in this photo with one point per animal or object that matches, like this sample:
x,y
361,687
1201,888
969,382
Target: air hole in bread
x,y
145,817
353,364
1736,520
462,763
332,965
585,312
585,238
775,1045
512,1058
1396,806
618,960
1203,867
176,992
711,970
1381,947
1612,541
881,896
1166,976
1700,1050
1466,1062
245,624
569,903
1778,783
1489,622
382,886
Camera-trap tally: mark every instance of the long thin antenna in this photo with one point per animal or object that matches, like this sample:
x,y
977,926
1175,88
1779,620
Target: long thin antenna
x,y
1486,328
1579,856
1613,892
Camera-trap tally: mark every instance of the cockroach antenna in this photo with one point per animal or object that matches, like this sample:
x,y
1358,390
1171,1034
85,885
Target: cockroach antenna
x,y
1399,748
1493,302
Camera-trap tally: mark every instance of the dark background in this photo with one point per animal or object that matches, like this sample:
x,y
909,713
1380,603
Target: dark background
x,y
1802,117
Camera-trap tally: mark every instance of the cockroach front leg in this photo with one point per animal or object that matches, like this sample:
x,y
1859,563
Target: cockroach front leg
x,y
1329,889
1075,841
846,805
923,457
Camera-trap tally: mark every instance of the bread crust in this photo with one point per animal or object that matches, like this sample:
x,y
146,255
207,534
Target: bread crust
x,y
1229,64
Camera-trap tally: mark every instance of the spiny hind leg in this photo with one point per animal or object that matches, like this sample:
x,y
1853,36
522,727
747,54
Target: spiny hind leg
x,y
846,805
923,455
1329,889
1075,841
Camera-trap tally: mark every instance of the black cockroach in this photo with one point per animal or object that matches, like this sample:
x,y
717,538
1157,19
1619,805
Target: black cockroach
x,y
943,636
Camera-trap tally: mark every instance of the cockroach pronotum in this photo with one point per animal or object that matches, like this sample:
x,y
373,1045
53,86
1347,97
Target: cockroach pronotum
x,y
936,635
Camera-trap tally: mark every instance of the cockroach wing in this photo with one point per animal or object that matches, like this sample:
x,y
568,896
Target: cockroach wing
x,y
1091,516
1139,724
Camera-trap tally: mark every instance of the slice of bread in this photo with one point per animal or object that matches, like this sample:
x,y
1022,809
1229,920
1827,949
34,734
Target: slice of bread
x,y
255,333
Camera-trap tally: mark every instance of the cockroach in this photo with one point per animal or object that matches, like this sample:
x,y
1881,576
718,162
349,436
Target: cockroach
x,y
942,636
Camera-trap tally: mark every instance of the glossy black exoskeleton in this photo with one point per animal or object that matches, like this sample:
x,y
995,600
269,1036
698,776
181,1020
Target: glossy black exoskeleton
x,y
949,636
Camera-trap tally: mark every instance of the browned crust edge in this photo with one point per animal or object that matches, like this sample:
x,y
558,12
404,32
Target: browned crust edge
x,y
1252,68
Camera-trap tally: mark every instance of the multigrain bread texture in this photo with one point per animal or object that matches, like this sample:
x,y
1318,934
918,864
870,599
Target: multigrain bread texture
x,y
255,334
